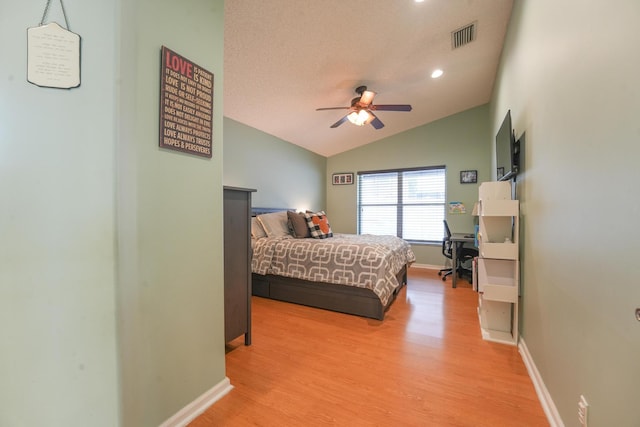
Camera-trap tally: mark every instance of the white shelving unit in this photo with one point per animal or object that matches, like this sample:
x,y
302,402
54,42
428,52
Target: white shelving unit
x,y
498,263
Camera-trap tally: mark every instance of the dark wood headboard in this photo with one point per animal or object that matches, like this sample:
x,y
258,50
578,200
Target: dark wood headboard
x,y
260,211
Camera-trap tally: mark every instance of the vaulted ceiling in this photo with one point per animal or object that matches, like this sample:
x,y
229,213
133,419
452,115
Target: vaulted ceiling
x,y
285,58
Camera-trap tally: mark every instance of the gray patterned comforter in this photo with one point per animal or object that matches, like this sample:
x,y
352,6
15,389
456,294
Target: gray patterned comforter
x,y
365,261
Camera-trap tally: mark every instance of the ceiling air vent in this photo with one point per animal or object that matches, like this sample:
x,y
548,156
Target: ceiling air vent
x,y
463,35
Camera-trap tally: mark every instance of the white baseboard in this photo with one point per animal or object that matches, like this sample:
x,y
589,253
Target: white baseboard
x,y
426,266
190,412
541,390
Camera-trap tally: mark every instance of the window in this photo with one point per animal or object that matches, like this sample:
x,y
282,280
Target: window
x,y
408,203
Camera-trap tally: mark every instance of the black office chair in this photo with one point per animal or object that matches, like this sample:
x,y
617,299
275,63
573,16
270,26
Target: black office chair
x,y
464,255
446,251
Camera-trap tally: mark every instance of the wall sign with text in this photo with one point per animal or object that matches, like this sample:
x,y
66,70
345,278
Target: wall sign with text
x,y
186,105
53,57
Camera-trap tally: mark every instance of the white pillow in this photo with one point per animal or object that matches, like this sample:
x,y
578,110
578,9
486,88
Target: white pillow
x,y
275,224
257,231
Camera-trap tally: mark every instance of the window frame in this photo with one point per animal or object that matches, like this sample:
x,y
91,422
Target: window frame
x,y
400,205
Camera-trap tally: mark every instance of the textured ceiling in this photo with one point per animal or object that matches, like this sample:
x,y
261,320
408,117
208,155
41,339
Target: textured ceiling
x,y
285,58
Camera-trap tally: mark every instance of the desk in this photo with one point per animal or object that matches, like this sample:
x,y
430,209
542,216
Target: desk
x,y
455,239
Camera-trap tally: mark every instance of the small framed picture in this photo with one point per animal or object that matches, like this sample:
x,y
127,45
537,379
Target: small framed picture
x,y
468,177
344,178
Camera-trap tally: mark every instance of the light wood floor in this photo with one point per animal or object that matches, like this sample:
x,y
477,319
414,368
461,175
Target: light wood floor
x,y
424,365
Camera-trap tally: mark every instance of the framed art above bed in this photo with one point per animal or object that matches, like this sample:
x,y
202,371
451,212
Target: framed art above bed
x,y
345,178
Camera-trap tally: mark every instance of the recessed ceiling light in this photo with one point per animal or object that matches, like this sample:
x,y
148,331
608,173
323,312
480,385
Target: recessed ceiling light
x,y
419,1
437,73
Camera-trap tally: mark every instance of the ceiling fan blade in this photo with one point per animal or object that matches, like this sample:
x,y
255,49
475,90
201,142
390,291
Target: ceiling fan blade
x,y
367,98
376,123
339,122
396,107
332,108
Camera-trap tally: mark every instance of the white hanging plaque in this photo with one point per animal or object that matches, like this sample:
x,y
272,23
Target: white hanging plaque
x,y
53,56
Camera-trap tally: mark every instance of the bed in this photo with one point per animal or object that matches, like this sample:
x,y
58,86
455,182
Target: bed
x,y
348,273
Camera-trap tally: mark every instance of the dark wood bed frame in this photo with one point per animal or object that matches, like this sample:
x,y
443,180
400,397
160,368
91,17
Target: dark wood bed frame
x,y
341,298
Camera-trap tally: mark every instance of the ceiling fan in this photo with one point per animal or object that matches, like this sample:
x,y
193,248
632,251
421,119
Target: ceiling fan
x,y
362,107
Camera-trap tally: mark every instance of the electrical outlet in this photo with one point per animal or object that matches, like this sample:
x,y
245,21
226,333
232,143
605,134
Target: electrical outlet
x,y
583,408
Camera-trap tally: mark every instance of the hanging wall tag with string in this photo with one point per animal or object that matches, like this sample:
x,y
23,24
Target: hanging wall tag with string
x,y
53,54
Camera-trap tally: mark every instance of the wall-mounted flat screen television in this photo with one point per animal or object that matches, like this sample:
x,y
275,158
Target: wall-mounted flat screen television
x,y
507,151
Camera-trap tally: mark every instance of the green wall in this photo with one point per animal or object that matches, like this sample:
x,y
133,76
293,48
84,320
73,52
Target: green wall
x,y
285,175
570,78
170,283
460,142
111,274
58,364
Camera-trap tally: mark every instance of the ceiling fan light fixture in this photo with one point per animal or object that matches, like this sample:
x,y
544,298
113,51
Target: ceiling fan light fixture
x,y
367,97
360,112
437,73
359,118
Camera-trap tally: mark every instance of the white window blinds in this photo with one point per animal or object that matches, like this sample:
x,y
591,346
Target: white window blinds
x,y
408,203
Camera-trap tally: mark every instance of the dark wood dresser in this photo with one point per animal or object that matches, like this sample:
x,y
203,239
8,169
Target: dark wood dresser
x,y
237,263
